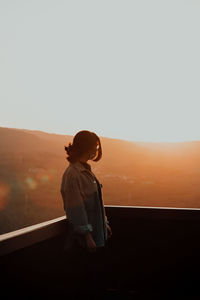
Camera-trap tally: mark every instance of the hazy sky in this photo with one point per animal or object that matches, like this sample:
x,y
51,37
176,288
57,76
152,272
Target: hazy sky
x,y
123,69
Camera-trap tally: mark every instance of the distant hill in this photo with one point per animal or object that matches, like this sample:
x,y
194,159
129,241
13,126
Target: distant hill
x,y
132,173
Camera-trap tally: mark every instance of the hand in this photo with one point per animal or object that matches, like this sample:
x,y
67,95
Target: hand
x,y
109,230
90,243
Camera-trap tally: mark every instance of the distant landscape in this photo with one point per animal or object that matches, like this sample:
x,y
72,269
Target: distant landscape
x,y
132,173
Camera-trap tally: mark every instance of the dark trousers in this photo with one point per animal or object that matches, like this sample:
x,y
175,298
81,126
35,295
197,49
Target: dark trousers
x,y
85,272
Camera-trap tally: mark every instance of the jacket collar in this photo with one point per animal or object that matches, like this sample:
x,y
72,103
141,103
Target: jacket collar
x,y
79,166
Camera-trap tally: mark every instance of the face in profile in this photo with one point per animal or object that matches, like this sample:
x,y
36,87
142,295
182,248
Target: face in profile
x,y
93,151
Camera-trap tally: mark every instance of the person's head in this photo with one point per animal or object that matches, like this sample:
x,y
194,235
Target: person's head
x,y
86,145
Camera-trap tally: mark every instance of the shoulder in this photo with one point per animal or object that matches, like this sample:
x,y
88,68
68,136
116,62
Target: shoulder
x,y
71,174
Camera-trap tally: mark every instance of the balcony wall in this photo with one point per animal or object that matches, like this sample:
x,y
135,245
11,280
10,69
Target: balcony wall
x,y
154,251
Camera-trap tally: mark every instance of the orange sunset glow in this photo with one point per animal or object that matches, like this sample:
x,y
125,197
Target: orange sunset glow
x,y
133,79
4,192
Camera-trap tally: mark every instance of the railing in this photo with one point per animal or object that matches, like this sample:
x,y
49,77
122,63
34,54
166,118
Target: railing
x,y
28,236
15,240
154,249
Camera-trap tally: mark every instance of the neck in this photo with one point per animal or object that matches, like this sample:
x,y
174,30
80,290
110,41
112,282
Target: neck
x,y
83,160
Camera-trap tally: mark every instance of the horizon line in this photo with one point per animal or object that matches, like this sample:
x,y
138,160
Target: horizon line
x,y
123,139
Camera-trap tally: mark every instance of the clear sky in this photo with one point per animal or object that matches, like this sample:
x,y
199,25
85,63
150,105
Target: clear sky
x,y
123,69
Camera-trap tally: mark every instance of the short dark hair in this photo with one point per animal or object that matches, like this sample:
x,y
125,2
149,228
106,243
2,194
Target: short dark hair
x,y
83,142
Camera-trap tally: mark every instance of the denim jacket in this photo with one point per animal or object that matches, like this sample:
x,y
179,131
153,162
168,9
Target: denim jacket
x,y
83,204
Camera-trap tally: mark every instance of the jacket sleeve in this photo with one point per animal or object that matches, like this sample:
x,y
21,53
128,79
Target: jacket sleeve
x,y
106,219
74,205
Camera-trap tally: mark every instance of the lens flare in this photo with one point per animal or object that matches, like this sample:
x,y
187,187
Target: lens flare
x,y
4,191
43,177
32,184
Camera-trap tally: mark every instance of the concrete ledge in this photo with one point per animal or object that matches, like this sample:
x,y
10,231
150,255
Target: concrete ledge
x,y
28,236
153,213
15,240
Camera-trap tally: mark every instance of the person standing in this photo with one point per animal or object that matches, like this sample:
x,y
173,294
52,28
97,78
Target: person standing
x,y
88,226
